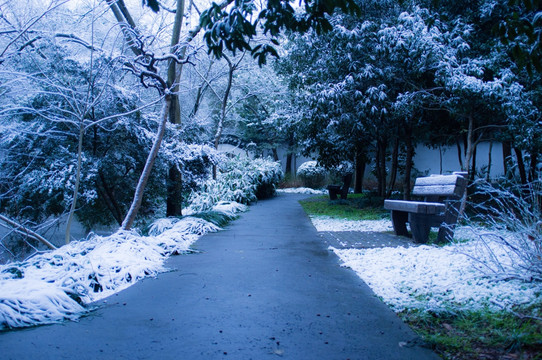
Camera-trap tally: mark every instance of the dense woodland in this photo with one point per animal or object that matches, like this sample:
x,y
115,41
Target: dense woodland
x,y
112,111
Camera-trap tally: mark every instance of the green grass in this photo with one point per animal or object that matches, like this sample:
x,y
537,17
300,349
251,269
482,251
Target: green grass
x,y
356,207
478,334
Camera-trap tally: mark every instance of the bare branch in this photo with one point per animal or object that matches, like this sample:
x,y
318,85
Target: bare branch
x,y
25,231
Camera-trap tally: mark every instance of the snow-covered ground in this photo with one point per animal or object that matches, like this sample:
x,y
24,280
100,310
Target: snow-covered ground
x,y
55,285
468,274
302,190
324,223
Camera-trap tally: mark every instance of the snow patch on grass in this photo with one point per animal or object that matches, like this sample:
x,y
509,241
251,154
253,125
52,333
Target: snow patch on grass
x,y
51,287
302,190
323,223
439,278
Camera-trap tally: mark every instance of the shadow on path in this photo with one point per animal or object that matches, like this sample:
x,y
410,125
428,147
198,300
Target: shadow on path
x,y
266,287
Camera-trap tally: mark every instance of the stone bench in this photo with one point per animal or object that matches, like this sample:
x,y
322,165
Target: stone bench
x,y
442,196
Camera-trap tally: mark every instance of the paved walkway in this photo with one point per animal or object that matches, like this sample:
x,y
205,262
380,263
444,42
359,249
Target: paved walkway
x,y
264,288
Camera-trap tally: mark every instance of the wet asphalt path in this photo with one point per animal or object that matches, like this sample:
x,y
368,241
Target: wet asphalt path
x,y
264,288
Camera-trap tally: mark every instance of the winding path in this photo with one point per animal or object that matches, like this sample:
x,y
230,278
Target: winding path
x,y
264,288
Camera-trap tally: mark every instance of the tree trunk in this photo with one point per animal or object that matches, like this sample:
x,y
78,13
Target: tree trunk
x,y
394,166
506,158
20,229
533,173
222,119
290,156
473,161
521,166
459,155
200,92
408,165
109,198
275,154
381,167
77,181
489,160
360,162
174,178
288,164
469,153
138,196
360,173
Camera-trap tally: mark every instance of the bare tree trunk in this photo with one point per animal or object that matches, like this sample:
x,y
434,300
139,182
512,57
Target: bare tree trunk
x,y
459,155
469,153
360,173
20,229
533,173
174,179
360,162
506,157
222,119
521,166
77,182
489,160
200,92
394,166
109,197
138,196
288,164
275,154
408,166
381,167
473,161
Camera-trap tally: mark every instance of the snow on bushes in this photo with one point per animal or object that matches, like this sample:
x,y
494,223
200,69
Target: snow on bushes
x,y
56,285
312,175
241,180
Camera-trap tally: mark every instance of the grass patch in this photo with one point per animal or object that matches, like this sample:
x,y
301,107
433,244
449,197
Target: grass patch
x,y
356,207
478,334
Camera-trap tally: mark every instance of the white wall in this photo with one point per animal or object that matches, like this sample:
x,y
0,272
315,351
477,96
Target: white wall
x,y
445,159
426,160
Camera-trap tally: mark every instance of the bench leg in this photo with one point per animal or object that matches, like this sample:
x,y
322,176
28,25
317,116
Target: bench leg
x,y
446,230
399,219
420,227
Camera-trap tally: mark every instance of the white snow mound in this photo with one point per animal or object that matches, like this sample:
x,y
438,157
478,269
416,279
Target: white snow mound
x,y
38,290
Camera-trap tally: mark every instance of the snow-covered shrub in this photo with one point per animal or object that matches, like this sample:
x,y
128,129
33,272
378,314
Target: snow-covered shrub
x,y
336,173
239,180
512,244
55,286
312,175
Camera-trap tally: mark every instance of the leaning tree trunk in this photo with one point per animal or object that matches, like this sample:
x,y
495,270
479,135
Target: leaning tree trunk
x,y
138,196
220,127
